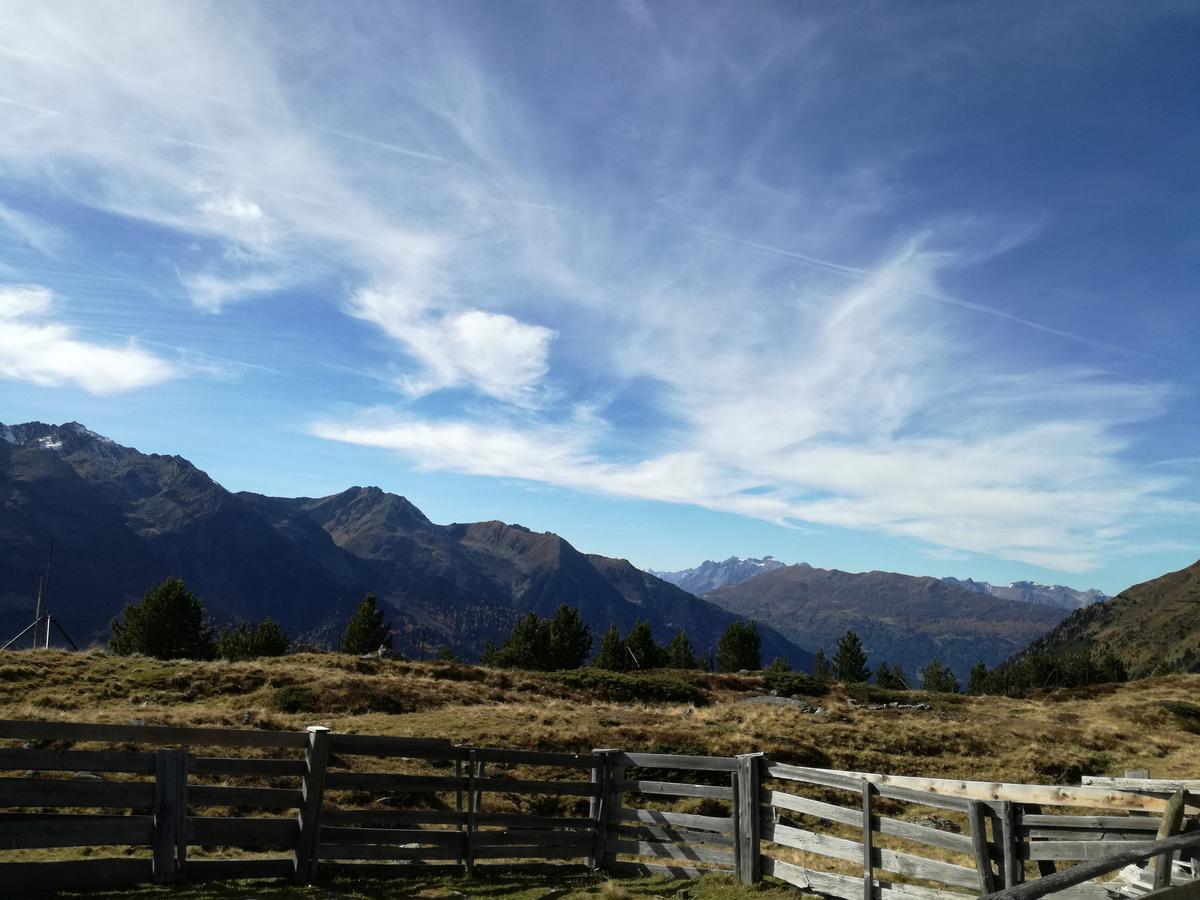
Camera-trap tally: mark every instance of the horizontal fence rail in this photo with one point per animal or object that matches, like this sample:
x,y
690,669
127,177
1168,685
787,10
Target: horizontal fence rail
x,y
168,804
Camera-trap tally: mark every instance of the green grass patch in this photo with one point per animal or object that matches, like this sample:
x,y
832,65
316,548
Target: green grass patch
x,y
635,688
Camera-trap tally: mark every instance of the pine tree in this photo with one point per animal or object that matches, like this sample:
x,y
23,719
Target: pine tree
x,y
850,660
978,682
246,641
680,654
528,647
570,639
168,623
821,670
740,647
777,666
899,679
937,677
883,675
366,631
612,654
647,654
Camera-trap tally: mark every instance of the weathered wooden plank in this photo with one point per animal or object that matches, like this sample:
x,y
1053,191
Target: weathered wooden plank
x,y
14,759
474,770
28,833
535,758
338,835
849,887
80,732
416,748
894,827
578,851
598,803
1083,834
1116,823
231,869
390,781
33,792
245,833
76,873
382,818
1010,843
853,851
244,797
519,786
679,835
1078,849
264,768
853,782
385,851
644,869
523,820
672,851
673,761
532,839
675,789
720,824
1157,785
1086,871
992,792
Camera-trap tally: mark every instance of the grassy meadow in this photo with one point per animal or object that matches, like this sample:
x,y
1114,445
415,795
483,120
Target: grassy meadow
x,y
1050,738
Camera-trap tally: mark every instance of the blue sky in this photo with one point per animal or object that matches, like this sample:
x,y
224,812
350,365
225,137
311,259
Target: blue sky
x,y
870,285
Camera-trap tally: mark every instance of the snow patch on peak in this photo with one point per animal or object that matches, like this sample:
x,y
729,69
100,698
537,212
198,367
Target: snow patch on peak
x,y
49,443
84,431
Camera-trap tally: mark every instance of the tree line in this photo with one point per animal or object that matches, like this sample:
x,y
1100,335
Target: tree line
x,y
170,622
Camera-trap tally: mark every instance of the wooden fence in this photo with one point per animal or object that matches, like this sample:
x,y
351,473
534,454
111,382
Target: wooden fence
x,y
169,804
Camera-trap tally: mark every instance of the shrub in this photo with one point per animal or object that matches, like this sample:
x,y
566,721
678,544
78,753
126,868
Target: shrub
x,y
794,684
624,687
294,698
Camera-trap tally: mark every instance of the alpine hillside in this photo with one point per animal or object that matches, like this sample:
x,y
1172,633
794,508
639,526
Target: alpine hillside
x,y
900,618
1152,627
123,520
1057,595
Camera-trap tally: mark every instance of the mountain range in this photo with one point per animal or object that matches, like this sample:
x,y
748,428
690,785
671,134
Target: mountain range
x,y
1151,627
710,575
900,618
122,520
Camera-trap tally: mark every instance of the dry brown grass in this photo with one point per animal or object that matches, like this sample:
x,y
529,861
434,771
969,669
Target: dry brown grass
x,y
1050,738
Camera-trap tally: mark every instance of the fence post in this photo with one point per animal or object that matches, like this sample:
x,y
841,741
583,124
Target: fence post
x,y
979,843
1171,823
1010,840
474,771
312,790
601,804
868,844
170,814
747,815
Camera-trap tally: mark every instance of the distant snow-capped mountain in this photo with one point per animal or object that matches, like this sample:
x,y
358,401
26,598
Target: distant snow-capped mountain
x,y
1055,595
710,575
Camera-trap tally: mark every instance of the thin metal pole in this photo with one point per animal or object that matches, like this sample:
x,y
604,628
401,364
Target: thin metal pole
x,y
37,613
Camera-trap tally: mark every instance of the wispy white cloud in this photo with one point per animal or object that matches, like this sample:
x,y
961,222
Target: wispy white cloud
x,y
31,230
778,326
38,350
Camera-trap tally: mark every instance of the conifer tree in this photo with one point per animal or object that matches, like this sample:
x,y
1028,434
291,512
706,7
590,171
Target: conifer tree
x,y
778,666
570,639
821,670
612,654
850,660
168,623
681,655
366,631
246,641
646,653
977,683
937,677
740,647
